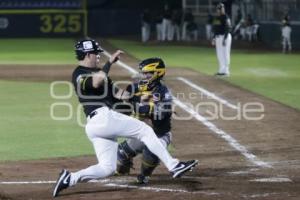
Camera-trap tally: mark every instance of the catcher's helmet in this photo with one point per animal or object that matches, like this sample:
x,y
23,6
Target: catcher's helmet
x,y
86,46
156,68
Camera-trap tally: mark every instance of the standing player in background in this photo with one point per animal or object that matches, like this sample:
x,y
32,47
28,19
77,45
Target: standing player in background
x,y
208,26
188,17
158,18
176,21
99,96
286,31
222,40
192,31
146,25
167,24
152,101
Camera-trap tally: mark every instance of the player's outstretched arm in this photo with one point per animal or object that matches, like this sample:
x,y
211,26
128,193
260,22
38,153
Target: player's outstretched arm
x,y
115,56
100,76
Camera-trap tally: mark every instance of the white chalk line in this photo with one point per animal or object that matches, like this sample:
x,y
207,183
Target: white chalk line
x,y
243,171
260,195
207,93
110,183
26,182
232,142
272,180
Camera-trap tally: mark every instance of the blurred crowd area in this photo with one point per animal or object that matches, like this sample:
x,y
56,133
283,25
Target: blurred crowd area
x,y
171,20
195,20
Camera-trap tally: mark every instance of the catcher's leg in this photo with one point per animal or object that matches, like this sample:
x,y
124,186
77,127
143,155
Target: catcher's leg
x,y
127,150
125,155
151,161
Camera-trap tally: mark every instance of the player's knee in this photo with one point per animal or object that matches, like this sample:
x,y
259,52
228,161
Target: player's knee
x,y
90,130
146,133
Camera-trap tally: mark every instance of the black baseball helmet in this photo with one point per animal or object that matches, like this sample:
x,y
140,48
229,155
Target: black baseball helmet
x,y
86,46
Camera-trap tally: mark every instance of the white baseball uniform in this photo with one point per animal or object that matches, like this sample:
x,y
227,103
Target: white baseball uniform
x,y
286,38
222,36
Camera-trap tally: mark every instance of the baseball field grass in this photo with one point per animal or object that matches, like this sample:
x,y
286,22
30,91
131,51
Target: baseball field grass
x,y
27,130
37,51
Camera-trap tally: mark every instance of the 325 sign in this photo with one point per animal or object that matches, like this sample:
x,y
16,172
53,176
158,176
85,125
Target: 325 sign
x,y
61,23
43,23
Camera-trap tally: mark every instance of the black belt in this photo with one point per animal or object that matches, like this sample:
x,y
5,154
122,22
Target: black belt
x,y
92,114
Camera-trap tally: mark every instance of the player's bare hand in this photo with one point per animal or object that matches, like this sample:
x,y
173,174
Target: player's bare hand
x,y
115,57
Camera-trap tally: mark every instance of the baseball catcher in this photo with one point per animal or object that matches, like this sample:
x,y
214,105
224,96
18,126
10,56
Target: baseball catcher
x,y
152,103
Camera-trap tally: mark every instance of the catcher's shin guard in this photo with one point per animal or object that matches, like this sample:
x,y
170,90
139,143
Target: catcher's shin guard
x,y
147,169
149,162
125,155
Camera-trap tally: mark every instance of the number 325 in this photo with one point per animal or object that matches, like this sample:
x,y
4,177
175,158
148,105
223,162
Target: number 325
x,y
60,23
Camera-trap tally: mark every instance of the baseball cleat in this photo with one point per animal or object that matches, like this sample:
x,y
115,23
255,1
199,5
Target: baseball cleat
x,y
141,179
62,182
222,74
219,74
183,167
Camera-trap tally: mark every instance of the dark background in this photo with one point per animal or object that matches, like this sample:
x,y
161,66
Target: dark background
x,y
107,18
117,17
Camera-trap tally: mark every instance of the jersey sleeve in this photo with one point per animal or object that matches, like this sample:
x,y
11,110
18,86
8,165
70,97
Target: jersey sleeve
x,y
85,83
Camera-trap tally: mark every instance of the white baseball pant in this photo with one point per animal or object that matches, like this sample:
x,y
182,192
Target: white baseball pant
x,y
286,38
103,130
223,53
145,32
167,30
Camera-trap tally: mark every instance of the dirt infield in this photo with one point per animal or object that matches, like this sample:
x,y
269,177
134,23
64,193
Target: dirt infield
x,y
232,153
